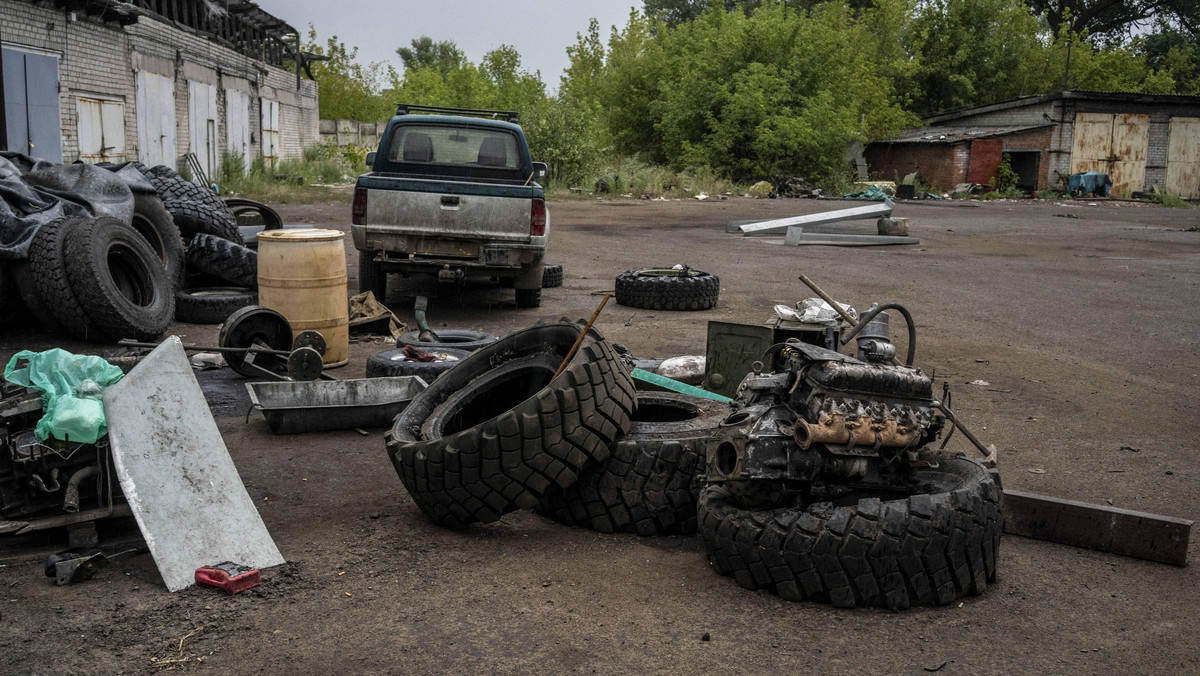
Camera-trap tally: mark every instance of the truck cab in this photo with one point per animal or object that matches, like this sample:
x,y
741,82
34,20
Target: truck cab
x,y
452,193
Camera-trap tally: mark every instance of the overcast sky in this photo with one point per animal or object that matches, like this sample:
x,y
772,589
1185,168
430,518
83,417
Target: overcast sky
x,y
539,29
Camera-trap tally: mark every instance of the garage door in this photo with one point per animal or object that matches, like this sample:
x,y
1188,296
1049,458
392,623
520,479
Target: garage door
x,y
1112,144
31,104
156,119
101,130
1183,158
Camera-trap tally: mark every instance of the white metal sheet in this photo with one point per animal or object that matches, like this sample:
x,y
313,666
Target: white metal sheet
x,y
156,119
176,473
112,124
878,210
1183,158
91,130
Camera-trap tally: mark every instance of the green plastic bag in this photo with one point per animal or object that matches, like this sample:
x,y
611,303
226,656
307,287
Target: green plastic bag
x,y
72,388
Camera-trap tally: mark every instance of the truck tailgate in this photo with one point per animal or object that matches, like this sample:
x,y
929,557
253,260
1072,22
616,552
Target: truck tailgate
x,y
449,209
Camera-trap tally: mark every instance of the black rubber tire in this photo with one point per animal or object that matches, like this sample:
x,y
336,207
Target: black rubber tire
x,y
196,209
371,276
696,291
528,298
45,286
552,275
212,305
386,364
154,223
223,259
249,210
507,455
928,549
650,483
455,339
119,280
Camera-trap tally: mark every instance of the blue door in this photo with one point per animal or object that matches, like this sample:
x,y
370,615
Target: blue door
x,y
31,104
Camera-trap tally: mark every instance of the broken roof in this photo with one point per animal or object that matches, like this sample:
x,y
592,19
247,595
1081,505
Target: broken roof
x,y
957,134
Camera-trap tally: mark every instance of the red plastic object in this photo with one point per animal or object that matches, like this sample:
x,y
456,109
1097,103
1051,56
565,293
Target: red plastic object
x,y
231,577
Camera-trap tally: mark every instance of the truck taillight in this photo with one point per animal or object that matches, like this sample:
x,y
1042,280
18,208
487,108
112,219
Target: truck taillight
x,y
358,211
537,217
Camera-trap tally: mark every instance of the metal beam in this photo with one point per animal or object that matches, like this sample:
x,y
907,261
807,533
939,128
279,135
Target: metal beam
x,y
853,214
1107,529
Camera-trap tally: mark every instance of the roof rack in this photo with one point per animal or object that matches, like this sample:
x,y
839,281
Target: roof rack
x,y
506,115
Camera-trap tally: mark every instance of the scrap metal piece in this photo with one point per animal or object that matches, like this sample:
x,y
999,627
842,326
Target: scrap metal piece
x,y
176,473
1107,529
797,237
870,211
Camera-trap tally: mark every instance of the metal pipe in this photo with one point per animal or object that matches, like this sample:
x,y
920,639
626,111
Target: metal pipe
x,y
908,320
989,452
862,432
201,348
71,497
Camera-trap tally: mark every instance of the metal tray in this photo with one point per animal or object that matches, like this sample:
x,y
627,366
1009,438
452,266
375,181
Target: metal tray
x,y
321,405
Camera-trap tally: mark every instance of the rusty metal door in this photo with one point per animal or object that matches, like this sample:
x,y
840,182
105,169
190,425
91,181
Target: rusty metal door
x,y
270,131
1112,144
101,130
1183,158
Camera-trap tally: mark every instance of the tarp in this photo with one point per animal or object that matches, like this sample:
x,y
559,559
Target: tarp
x,y
874,193
71,387
33,192
1091,182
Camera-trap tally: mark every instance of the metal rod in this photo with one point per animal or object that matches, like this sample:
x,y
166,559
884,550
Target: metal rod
x,y
989,453
825,297
200,348
583,333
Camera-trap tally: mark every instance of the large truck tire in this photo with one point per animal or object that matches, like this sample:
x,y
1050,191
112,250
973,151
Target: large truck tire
x,y
649,485
119,280
195,208
154,223
930,548
44,285
212,305
498,431
223,259
552,275
668,289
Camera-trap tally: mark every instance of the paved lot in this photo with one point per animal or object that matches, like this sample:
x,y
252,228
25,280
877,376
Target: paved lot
x,y
1081,318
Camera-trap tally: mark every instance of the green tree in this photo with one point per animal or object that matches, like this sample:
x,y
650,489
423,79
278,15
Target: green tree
x,y
1115,18
347,89
444,56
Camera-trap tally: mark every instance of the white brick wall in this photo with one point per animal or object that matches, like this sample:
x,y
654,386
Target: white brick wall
x,y
100,58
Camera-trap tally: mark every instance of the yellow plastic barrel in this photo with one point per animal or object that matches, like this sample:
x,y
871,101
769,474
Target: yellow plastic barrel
x,y
302,276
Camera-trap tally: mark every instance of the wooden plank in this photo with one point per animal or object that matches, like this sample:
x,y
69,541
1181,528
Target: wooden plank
x,y
1107,529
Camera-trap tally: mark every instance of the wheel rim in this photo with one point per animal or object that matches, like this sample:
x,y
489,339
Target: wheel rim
x,y
667,272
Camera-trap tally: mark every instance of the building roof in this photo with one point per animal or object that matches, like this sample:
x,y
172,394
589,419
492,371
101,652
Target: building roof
x,y
950,135
1074,94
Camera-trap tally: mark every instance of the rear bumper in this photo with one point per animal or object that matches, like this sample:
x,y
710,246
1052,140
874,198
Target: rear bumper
x,y
403,253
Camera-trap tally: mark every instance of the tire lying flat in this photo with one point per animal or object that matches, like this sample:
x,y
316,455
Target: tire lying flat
x,y
212,305
452,339
119,280
927,549
667,289
391,363
228,261
472,449
649,484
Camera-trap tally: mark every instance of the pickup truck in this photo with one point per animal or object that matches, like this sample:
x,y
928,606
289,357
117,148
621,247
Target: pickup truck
x,y
451,193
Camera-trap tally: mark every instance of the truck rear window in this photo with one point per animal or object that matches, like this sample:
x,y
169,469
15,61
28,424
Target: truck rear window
x,y
461,146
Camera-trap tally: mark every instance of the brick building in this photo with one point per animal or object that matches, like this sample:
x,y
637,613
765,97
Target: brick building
x,y
1142,141
151,80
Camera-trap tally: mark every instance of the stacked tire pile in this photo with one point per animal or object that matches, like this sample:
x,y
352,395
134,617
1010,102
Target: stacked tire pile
x,y
220,273
501,432
103,279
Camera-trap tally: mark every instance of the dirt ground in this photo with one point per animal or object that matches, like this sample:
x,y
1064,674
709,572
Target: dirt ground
x,y
1082,319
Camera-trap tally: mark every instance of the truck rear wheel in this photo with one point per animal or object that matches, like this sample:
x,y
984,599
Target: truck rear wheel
x,y
371,276
529,297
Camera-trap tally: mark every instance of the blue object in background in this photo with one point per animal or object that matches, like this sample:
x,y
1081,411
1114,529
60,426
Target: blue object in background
x,y
1091,182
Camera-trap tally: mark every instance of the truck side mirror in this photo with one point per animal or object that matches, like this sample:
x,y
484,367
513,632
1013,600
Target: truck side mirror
x,y
540,170
371,159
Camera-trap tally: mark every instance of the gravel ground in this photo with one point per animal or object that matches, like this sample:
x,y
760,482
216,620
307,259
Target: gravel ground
x,y
1080,317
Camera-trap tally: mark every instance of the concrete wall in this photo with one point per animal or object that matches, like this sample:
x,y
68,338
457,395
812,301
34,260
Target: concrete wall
x,y
345,132
103,59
